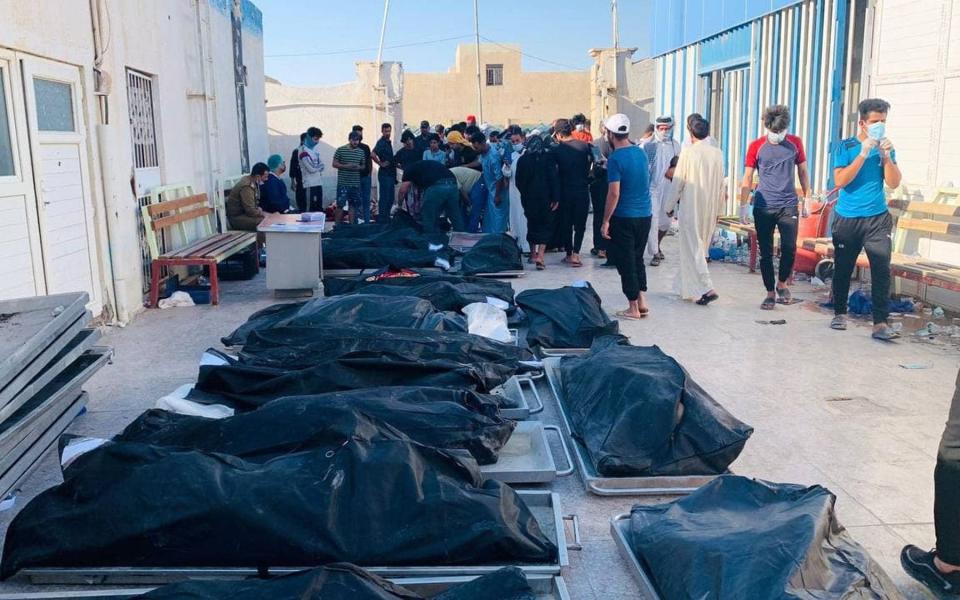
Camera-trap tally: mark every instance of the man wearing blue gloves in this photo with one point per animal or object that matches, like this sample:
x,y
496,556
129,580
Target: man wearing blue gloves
x,y
861,166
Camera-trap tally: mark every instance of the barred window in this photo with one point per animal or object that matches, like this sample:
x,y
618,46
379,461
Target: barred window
x,y
143,131
494,74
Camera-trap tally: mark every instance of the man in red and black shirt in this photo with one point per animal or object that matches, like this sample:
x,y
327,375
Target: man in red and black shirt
x,y
778,160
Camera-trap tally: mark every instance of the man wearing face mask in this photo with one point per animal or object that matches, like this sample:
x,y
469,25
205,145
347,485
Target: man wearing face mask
x,y
778,159
518,222
861,166
311,169
660,150
580,131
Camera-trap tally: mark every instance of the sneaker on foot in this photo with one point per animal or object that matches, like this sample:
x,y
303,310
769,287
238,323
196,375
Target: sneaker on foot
x,y
839,323
919,565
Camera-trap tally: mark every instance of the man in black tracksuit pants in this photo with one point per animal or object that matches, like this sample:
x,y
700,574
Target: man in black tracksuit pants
x,y
861,166
939,569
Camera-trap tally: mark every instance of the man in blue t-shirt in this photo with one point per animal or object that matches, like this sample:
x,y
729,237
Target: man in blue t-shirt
x,y
861,166
628,213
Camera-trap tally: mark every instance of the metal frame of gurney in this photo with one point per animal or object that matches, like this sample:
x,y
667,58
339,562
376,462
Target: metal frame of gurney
x,y
675,485
527,457
618,529
24,443
546,587
520,407
545,507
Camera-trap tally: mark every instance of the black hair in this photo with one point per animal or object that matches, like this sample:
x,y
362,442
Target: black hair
x,y
776,118
618,136
650,128
462,125
563,127
674,161
469,130
354,135
303,136
434,138
259,169
495,134
424,123
357,128
478,138
314,132
579,119
699,127
386,126
406,135
872,105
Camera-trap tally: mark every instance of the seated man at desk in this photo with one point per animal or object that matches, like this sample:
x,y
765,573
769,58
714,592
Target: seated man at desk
x,y
273,192
241,206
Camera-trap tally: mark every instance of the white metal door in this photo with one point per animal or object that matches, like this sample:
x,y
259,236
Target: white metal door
x,y
54,101
21,259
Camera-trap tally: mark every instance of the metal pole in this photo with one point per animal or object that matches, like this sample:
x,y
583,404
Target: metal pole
x,y
476,29
376,91
616,25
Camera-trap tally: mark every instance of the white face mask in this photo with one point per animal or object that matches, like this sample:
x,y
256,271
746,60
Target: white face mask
x,y
776,138
579,127
517,147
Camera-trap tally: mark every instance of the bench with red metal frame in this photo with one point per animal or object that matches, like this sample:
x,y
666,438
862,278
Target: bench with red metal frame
x,y
207,251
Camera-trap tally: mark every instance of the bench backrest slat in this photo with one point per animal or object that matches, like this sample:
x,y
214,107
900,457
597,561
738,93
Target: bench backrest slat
x,y
194,210
164,222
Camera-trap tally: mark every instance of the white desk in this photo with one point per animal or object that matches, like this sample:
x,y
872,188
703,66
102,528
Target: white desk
x,y
294,254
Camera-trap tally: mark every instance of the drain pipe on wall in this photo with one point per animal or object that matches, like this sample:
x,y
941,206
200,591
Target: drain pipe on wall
x,y
102,89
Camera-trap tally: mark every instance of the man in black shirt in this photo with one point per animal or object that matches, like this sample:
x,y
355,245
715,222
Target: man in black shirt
x,y
440,193
366,182
422,141
387,174
296,177
407,155
574,159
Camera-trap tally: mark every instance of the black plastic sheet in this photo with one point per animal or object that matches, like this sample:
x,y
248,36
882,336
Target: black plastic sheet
x,y
494,253
400,311
568,317
444,291
437,417
246,387
654,421
298,348
384,501
742,538
343,581
399,243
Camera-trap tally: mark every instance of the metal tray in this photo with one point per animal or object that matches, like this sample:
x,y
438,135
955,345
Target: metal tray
x,y
517,405
560,352
545,507
546,587
619,527
33,455
616,486
28,325
527,458
55,358
462,241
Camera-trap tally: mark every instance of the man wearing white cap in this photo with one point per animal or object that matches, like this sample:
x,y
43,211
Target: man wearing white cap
x,y
627,214
660,151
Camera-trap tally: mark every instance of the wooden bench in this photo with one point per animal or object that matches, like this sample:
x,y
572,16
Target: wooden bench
x,y
209,250
945,221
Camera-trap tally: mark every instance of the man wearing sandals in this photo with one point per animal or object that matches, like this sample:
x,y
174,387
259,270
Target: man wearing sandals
x,y
628,213
778,159
861,166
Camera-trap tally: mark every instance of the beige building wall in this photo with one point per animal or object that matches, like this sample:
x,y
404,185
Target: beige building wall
x,y
335,109
619,85
525,97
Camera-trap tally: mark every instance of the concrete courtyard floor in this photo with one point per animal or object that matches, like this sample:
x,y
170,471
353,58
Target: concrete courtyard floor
x,y
830,408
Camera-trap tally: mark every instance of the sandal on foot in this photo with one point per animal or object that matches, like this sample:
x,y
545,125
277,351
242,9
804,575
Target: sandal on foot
x,y
768,303
784,296
707,299
655,262
839,323
625,315
540,265
887,334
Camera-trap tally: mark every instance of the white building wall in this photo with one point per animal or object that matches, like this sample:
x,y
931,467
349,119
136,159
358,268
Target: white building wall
x,y
196,115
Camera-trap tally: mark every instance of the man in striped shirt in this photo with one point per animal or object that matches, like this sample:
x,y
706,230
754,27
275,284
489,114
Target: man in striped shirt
x,y
349,161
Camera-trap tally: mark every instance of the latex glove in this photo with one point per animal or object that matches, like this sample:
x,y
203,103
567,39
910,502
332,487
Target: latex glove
x,y
867,145
744,214
886,147
394,209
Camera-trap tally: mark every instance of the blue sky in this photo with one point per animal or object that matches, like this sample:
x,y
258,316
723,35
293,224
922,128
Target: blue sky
x,y
424,34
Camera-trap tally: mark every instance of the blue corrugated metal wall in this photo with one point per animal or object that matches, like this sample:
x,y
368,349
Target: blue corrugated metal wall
x,y
794,56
